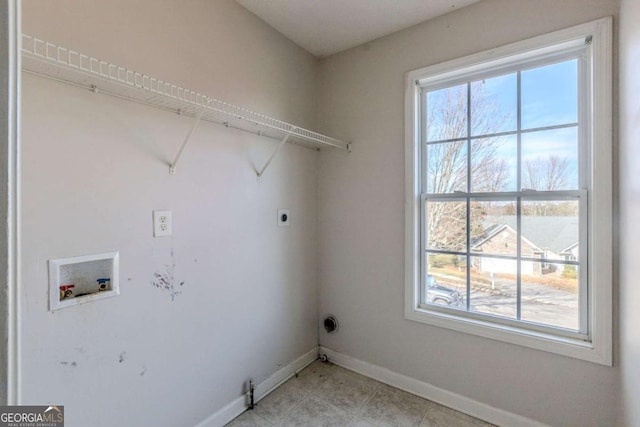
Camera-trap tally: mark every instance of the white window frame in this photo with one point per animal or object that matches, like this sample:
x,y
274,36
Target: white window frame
x,y
10,116
596,347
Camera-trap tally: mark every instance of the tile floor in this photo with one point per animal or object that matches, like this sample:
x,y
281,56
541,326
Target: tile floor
x,y
324,394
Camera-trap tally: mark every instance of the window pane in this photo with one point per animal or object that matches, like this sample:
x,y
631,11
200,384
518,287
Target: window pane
x,y
493,286
550,229
550,160
447,167
494,227
494,105
550,232
550,95
447,113
445,282
551,298
494,164
447,225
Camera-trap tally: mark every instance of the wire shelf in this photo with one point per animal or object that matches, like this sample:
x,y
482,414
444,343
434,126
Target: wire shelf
x,y
49,60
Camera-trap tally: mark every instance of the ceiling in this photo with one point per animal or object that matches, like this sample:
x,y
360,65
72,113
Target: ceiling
x,y
325,27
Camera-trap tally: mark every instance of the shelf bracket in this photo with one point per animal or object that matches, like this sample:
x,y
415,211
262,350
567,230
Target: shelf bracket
x,y
275,152
172,167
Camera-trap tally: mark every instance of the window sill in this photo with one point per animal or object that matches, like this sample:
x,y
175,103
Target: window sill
x,y
569,347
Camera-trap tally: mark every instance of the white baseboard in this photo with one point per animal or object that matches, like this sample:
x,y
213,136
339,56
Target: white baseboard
x,y
239,405
452,400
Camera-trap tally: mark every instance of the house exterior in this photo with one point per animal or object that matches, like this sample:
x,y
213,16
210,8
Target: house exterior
x,y
547,238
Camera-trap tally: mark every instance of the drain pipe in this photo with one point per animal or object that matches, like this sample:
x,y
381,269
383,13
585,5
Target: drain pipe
x,y
252,388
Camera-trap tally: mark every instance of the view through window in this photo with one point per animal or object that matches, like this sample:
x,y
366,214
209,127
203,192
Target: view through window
x,y
503,201
508,219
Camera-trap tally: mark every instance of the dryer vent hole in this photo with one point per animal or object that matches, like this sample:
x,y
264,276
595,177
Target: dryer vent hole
x,y
330,324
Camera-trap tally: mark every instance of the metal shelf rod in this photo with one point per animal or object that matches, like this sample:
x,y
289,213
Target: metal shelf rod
x,y
172,168
273,155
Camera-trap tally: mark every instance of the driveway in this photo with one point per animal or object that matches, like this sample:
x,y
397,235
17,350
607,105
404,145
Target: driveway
x,y
539,303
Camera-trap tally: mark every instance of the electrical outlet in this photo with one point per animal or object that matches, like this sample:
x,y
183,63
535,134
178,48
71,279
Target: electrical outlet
x,y
161,223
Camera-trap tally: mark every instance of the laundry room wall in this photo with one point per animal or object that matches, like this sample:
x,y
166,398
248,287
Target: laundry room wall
x,y
239,298
361,201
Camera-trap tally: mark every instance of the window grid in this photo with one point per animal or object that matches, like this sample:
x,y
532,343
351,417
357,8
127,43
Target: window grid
x,y
468,204
505,133
592,44
519,194
519,199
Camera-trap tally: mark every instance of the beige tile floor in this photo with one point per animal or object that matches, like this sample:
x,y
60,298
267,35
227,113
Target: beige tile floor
x,y
327,395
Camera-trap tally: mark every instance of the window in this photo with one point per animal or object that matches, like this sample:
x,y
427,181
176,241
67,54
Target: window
x,y
508,230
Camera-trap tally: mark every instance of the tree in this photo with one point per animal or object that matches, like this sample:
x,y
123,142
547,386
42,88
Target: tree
x,y
448,162
548,174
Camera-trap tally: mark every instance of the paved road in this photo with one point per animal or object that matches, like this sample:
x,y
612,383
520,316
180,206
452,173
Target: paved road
x,y
540,303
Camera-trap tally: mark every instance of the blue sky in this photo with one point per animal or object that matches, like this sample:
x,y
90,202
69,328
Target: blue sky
x,y
549,97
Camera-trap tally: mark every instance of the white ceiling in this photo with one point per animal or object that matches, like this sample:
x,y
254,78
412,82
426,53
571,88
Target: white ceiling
x,y
325,27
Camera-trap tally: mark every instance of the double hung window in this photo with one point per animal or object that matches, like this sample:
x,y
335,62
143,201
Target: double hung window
x,y
508,178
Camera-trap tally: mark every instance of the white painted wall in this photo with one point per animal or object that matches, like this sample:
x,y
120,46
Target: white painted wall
x,y
361,223
94,169
629,184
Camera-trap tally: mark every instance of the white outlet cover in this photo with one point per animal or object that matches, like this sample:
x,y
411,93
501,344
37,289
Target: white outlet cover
x,y
162,223
284,217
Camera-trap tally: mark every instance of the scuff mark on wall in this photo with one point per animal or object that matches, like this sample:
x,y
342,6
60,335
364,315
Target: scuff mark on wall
x,y
166,281
123,357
